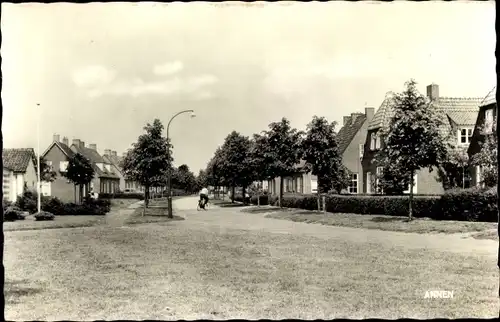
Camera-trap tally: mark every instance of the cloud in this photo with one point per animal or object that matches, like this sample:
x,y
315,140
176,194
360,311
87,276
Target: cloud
x,y
93,76
168,68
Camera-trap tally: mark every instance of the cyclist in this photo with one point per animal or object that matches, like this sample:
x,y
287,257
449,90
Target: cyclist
x,y
204,196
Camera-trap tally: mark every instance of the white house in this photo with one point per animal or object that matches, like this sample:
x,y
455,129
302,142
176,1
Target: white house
x,y
18,172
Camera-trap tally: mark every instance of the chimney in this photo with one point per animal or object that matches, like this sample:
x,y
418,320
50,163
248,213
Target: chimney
x,y
76,142
56,137
353,117
369,112
113,153
347,120
93,146
107,152
433,92
65,141
82,144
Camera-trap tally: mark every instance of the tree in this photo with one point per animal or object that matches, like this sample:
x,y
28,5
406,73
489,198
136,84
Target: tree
x,y
47,174
236,161
453,171
487,157
284,151
149,161
185,179
80,172
201,180
321,153
393,180
413,141
215,176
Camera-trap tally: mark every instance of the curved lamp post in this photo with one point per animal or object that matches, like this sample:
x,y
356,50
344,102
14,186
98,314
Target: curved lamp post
x,y
169,177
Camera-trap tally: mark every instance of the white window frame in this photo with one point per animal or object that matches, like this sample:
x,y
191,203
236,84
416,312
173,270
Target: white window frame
x,y
415,189
354,178
377,142
63,166
488,121
467,136
368,182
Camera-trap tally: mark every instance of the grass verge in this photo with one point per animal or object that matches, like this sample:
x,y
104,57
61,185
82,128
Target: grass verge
x,y
388,223
152,215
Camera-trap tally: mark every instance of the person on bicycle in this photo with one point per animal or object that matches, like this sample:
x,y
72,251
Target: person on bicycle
x,y
204,196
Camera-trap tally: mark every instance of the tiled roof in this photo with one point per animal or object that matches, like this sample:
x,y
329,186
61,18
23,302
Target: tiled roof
x,y
94,157
112,160
348,131
466,117
17,160
490,98
384,113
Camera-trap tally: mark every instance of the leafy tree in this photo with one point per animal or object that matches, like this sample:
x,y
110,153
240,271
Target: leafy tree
x,y
201,180
259,149
149,160
214,173
452,173
47,174
80,172
185,179
236,161
413,140
321,153
487,158
393,180
284,150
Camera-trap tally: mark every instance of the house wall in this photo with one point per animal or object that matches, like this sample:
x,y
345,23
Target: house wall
x,y
309,182
31,177
367,163
60,187
351,157
9,186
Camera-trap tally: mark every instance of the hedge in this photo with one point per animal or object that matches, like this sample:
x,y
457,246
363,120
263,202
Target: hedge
x,y
462,205
139,195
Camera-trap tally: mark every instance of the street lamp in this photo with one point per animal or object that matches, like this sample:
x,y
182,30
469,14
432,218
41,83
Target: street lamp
x,y
169,177
39,201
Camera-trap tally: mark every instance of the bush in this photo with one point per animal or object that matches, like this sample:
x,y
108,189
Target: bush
x,y
28,201
12,214
44,215
121,195
89,207
463,205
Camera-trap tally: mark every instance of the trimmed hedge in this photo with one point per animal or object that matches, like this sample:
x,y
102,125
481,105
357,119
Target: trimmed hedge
x,y
138,195
462,205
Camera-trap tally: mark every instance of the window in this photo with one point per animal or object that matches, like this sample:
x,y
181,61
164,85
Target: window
x,y
353,185
100,166
63,166
361,150
380,170
465,136
488,121
414,185
108,167
368,182
49,164
372,141
377,142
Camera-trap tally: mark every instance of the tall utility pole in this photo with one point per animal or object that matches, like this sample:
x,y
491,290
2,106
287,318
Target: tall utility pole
x,y
169,176
39,184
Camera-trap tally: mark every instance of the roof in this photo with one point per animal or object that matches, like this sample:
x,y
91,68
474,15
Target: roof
x,y
17,160
348,131
112,160
63,147
462,111
490,98
94,158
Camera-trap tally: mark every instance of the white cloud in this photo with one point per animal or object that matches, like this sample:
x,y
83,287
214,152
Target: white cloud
x,y
93,76
168,68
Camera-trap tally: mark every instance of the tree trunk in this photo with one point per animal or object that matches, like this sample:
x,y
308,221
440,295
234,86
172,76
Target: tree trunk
x,y
463,177
74,189
232,193
319,200
410,215
81,193
243,192
144,206
281,190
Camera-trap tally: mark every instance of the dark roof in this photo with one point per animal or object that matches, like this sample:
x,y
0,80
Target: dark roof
x,y
348,131
94,158
17,160
112,160
63,147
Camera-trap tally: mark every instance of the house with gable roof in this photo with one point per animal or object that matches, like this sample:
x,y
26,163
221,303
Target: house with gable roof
x,y
485,125
351,140
299,182
112,158
460,117
19,172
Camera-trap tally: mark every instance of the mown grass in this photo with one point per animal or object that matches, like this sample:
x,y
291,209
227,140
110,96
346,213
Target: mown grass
x,y
156,214
388,223
178,272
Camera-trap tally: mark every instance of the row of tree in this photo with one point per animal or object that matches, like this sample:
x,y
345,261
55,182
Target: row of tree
x,y
413,141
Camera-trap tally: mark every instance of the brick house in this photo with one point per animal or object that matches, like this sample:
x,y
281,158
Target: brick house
x,y
19,172
299,182
105,178
485,124
351,139
111,157
460,117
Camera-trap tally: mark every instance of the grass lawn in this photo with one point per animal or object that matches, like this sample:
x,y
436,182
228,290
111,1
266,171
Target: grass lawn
x,y
480,230
184,271
153,215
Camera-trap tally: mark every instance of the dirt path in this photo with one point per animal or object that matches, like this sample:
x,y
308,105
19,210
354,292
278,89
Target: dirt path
x,y
232,218
118,216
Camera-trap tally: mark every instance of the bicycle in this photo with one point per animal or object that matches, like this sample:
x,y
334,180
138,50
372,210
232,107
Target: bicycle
x,y
201,206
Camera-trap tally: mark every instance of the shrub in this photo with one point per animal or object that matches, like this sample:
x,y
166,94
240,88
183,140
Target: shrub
x,y
12,214
54,206
89,207
44,215
28,201
470,204
121,195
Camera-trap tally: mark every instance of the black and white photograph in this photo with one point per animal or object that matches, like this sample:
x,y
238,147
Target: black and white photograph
x,y
249,160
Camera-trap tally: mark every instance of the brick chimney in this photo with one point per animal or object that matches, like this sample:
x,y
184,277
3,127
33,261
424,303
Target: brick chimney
x,y
347,120
369,112
93,147
113,153
56,137
65,141
107,152
433,92
77,143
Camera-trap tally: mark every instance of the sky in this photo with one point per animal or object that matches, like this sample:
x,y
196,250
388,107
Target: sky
x,y
101,71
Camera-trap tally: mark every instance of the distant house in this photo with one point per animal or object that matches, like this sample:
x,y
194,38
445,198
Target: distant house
x,y
351,139
299,182
111,157
106,179
485,124
19,172
460,116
